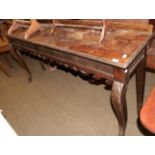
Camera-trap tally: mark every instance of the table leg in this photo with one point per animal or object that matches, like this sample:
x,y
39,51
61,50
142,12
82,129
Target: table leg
x,y
7,60
140,83
118,98
4,70
20,60
42,65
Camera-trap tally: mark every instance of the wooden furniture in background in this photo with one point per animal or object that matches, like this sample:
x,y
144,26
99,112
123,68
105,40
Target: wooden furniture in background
x,y
151,51
147,114
4,49
151,56
121,53
4,46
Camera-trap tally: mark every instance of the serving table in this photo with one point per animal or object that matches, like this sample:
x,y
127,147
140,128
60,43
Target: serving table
x,y
75,45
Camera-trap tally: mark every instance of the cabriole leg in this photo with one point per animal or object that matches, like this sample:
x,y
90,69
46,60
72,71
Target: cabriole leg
x,y
118,98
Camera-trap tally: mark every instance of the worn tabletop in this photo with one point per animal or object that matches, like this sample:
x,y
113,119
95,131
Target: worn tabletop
x,y
119,47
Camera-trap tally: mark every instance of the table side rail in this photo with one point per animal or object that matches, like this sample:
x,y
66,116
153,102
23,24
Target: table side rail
x,y
85,64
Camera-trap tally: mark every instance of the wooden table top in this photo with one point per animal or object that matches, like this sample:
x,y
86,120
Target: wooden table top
x,y
119,47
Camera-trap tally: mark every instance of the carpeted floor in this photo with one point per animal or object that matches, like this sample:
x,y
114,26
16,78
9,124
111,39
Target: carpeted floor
x,y
58,103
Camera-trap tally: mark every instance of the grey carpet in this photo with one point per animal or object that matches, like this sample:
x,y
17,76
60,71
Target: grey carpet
x,y
58,103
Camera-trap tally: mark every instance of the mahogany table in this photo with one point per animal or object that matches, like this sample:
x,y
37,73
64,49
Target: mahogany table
x,y
122,52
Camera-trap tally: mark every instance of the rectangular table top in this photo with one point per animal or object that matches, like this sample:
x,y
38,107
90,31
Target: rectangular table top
x,y
119,47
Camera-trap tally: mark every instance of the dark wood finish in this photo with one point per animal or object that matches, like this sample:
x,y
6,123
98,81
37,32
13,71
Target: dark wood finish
x,y
140,82
118,98
121,52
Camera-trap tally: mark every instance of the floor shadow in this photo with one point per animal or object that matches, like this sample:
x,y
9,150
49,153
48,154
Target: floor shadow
x,y
150,70
143,130
87,78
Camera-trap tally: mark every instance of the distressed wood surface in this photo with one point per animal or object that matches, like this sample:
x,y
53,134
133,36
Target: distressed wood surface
x,y
120,46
